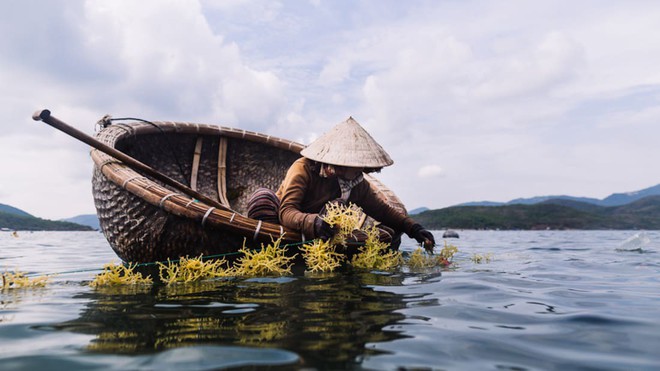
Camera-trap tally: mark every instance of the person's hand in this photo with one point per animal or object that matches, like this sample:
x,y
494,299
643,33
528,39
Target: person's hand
x,y
423,236
322,229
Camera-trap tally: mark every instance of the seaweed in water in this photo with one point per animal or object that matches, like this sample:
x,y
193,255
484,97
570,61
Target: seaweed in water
x,y
420,259
481,258
21,280
120,275
321,256
376,254
192,269
269,260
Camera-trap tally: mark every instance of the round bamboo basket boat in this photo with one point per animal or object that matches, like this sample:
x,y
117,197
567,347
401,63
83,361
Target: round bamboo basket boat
x,y
145,220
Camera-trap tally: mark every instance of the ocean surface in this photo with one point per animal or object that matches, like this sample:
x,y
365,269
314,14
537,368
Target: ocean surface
x,y
546,300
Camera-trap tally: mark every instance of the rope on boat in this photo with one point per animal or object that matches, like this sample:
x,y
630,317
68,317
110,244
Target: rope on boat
x,y
162,200
208,212
256,231
131,179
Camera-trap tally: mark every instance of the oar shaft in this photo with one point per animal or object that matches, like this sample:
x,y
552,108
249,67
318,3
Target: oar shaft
x,y
44,115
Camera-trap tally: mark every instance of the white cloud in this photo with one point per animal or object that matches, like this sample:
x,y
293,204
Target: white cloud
x,y
336,71
430,171
174,64
554,59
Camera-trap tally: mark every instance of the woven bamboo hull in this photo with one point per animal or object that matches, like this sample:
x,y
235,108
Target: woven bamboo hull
x,y
145,220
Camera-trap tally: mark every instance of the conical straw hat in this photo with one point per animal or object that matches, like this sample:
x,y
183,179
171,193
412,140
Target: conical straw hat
x,y
348,144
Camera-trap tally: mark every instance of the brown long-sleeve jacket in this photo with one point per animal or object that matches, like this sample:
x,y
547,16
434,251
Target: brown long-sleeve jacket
x,y
304,192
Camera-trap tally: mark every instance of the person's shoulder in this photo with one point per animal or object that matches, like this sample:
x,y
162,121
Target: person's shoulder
x,y
364,187
303,161
302,165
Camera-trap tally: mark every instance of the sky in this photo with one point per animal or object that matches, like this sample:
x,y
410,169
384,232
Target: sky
x,y
474,100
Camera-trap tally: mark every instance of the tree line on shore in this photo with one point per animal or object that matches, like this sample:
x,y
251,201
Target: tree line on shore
x,y
555,214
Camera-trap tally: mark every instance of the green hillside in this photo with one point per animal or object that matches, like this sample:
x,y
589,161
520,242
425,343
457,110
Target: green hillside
x,y
12,210
29,223
551,214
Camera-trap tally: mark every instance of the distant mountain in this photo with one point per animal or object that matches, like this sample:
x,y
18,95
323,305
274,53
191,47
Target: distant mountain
x,y
536,200
482,203
17,219
552,214
615,199
417,210
12,210
625,198
90,220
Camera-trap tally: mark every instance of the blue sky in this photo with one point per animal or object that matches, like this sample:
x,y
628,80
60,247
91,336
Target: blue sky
x,y
474,100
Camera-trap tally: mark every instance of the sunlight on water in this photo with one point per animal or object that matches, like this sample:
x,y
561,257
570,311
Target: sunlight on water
x,y
545,300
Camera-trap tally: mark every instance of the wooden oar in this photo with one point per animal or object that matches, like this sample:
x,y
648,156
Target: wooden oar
x,y
44,115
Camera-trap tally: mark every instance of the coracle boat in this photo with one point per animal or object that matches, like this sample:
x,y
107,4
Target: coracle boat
x,y
146,220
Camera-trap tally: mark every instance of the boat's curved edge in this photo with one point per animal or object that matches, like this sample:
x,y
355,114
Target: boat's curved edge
x,y
178,203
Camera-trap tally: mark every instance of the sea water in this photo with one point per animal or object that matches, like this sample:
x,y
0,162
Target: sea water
x,y
545,300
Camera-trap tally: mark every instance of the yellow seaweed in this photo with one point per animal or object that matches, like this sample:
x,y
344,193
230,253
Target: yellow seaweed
x,y
375,254
448,251
269,260
320,256
420,259
20,280
344,217
192,269
481,258
120,275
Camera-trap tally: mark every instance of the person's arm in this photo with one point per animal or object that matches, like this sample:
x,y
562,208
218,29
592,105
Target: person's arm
x,y
292,193
385,213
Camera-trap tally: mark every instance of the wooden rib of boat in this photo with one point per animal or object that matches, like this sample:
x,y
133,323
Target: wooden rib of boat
x,y
145,220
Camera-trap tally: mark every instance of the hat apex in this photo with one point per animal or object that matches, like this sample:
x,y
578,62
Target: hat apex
x,y
348,144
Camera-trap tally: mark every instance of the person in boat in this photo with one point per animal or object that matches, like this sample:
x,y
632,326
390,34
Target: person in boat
x,y
332,170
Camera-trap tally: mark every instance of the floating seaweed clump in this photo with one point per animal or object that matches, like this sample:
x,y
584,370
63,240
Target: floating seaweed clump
x,y
446,255
419,259
376,254
321,256
448,251
269,260
481,258
21,280
192,269
120,275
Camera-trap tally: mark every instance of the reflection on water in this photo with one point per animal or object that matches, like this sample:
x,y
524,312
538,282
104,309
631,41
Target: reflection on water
x,y
325,319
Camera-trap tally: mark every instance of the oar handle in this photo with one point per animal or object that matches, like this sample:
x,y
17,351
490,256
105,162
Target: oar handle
x,y
44,115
